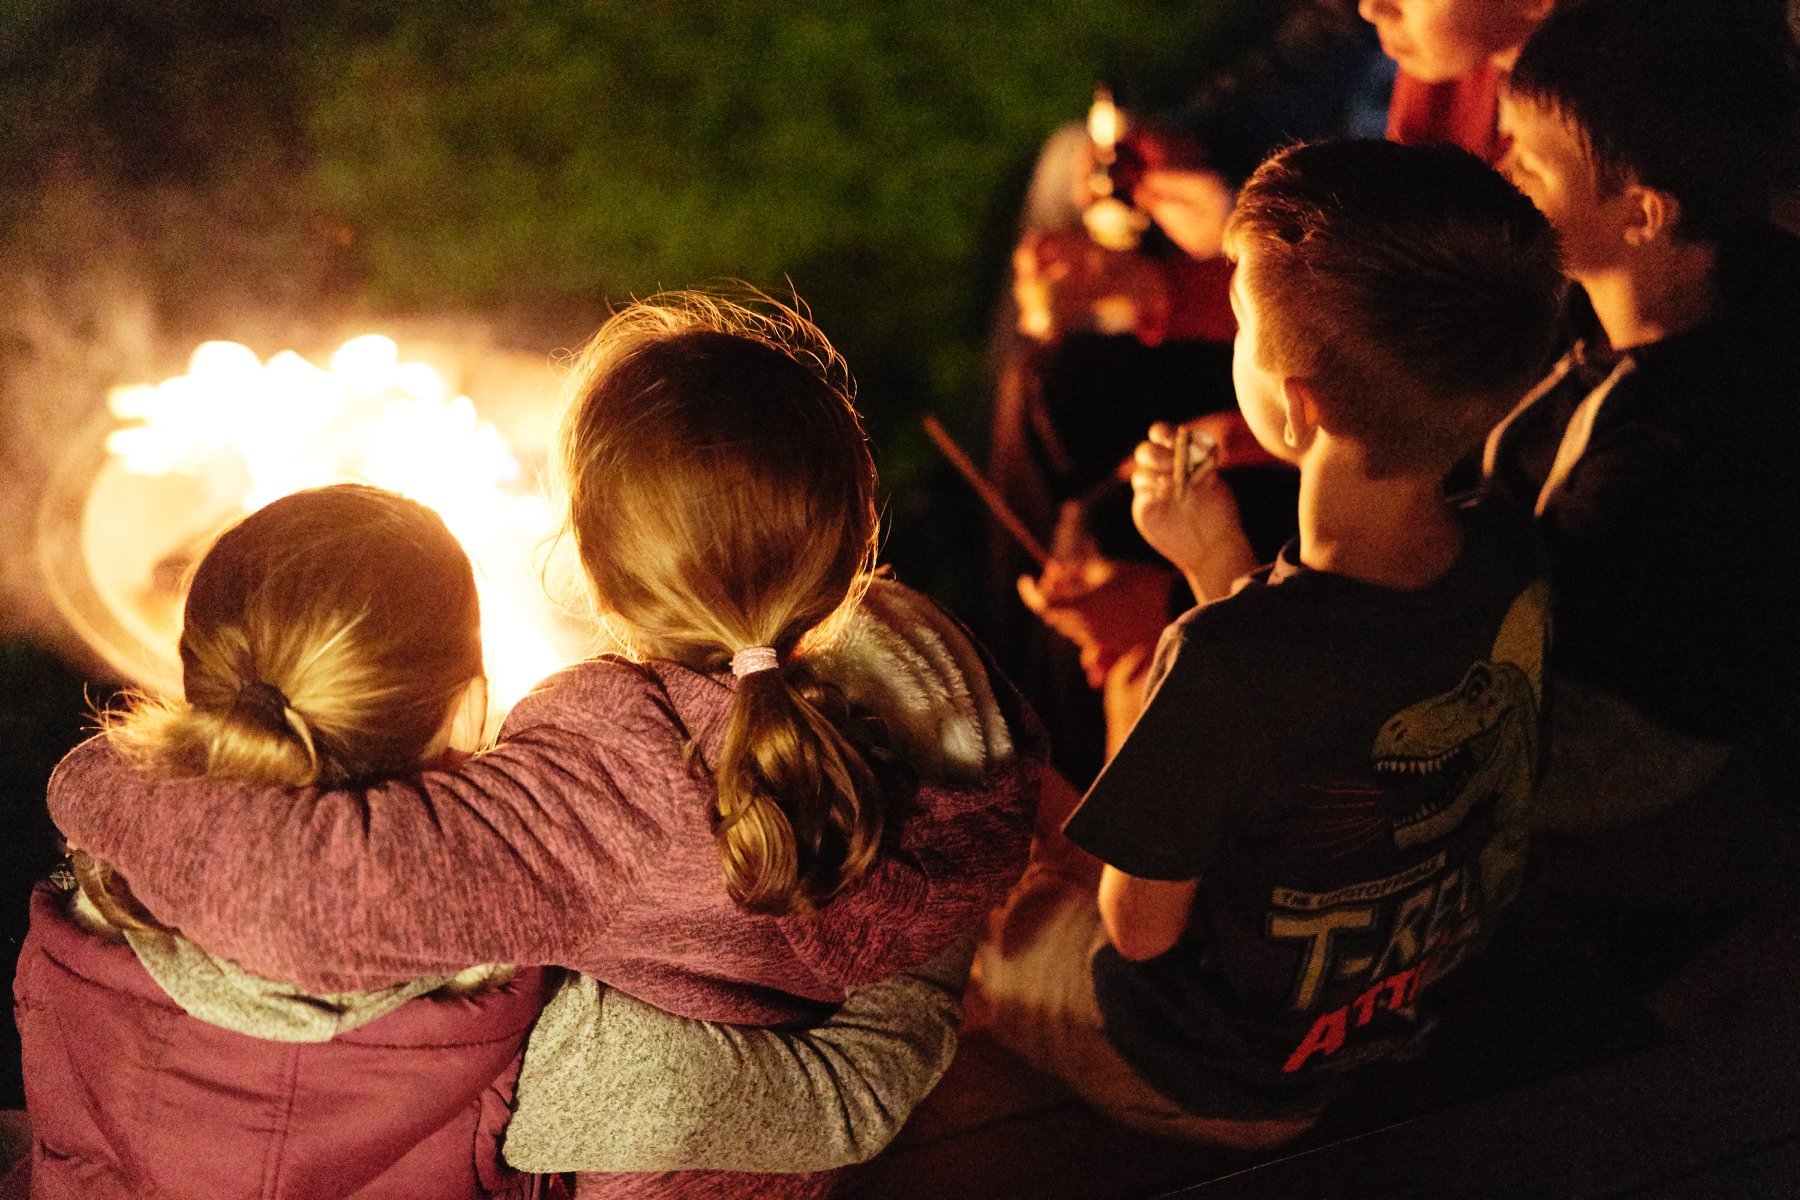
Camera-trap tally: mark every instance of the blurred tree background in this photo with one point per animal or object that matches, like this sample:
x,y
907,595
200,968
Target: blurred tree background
x,y
533,160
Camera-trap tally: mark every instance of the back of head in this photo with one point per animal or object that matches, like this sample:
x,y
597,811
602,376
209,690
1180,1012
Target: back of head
x,y
325,639
1697,100
1413,287
722,497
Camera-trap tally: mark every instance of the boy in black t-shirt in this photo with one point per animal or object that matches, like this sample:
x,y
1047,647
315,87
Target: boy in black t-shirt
x,y
1319,810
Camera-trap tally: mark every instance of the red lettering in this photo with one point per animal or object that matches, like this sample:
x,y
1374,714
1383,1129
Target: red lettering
x,y
1325,1037
1365,1004
1403,987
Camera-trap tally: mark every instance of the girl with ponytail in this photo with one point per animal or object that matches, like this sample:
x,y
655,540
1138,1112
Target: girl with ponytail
x,y
792,779
330,637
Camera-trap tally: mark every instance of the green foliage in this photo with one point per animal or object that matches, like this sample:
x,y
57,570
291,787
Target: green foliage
x,y
546,155
625,146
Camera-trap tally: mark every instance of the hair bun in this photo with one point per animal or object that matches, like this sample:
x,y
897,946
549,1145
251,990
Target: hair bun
x,y
266,700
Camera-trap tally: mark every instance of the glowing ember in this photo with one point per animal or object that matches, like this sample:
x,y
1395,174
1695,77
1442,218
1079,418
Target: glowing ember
x,y
241,432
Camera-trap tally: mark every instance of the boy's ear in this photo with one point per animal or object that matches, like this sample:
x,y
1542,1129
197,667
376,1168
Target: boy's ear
x,y
1650,215
1302,405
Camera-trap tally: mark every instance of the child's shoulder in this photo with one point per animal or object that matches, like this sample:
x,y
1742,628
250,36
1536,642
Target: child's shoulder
x,y
904,659
621,693
1256,606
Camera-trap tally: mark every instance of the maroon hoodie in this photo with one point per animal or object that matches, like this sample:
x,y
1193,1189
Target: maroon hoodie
x,y
131,1098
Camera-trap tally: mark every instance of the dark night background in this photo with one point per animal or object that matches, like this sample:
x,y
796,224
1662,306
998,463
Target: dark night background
x,y
265,170
286,172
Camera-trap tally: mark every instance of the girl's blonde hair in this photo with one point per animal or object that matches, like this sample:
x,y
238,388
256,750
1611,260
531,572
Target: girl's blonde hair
x,y
325,639
721,496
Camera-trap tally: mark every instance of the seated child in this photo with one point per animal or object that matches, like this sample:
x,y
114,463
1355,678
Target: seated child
x,y
1317,814
356,608
1659,459
708,825
330,636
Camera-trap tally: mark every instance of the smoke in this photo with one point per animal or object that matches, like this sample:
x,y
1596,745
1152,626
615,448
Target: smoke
x,y
74,319
105,286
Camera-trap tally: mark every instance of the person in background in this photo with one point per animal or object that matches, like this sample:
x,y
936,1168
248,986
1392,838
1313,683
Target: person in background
x,y
1320,811
1657,457
1452,56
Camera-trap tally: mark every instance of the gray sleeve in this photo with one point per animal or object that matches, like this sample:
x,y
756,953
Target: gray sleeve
x,y
613,1084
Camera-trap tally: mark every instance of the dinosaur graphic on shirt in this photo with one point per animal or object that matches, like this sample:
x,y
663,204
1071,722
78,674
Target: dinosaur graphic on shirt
x,y
1479,741
1468,753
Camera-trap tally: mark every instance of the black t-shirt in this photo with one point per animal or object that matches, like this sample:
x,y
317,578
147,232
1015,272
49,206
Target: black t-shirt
x,y
1676,585
1344,769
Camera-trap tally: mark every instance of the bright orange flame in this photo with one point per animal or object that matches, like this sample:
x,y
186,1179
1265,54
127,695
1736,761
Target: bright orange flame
x,y
251,432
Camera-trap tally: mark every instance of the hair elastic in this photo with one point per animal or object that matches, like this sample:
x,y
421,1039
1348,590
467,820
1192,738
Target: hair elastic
x,y
752,659
267,700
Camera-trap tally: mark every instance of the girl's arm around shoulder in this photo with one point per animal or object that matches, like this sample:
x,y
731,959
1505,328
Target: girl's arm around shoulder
x,y
613,1084
518,855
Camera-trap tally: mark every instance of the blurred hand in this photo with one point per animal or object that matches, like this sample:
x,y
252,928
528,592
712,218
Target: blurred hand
x,y
1109,609
1191,205
1199,531
1063,282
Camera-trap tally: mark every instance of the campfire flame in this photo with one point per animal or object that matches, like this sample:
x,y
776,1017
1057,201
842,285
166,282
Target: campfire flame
x,y
248,432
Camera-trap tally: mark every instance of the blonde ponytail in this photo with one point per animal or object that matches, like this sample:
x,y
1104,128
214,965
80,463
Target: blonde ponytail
x,y
800,811
324,639
722,499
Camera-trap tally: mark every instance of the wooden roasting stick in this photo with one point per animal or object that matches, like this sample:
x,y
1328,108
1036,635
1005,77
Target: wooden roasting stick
x,y
990,495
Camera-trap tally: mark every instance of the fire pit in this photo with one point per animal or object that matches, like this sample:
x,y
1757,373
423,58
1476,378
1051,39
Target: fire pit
x,y
138,499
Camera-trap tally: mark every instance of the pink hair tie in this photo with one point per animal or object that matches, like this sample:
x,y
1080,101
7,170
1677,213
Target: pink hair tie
x,y
752,659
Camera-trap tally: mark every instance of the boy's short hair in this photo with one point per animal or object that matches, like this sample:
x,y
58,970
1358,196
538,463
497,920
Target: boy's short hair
x,y
1696,98
1416,288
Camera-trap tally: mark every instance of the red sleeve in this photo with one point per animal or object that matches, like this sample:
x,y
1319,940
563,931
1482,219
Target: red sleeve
x,y
519,855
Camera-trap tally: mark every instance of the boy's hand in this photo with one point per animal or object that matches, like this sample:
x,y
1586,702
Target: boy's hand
x,y
1196,527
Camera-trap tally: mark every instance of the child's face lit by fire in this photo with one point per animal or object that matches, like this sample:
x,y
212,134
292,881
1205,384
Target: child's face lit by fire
x,y
1437,40
1548,160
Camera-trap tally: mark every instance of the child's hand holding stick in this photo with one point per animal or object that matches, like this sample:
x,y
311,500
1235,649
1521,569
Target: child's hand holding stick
x,y
1185,511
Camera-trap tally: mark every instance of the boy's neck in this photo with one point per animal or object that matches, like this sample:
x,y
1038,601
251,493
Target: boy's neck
x,y
1658,292
1394,532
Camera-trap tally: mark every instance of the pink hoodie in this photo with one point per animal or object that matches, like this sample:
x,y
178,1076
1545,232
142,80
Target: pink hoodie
x,y
132,1099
